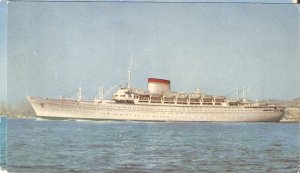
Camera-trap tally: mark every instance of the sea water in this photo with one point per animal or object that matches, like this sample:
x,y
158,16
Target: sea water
x,y
2,143
110,146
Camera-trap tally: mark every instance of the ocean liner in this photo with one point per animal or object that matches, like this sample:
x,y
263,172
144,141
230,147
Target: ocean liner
x,y
156,104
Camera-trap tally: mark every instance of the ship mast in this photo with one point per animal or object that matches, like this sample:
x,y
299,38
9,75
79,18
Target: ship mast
x,y
101,93
79,93
244,94
129,74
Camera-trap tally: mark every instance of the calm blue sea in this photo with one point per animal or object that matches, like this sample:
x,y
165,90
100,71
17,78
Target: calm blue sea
x,y
108,146
2,143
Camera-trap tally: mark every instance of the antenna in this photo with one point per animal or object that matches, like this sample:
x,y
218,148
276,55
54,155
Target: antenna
x,y
129,73
237,93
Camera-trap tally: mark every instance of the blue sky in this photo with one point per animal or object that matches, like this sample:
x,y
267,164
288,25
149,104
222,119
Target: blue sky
x,y
55,47
3,53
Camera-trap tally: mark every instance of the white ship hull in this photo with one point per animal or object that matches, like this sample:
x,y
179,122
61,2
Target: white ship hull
x,y
109,110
